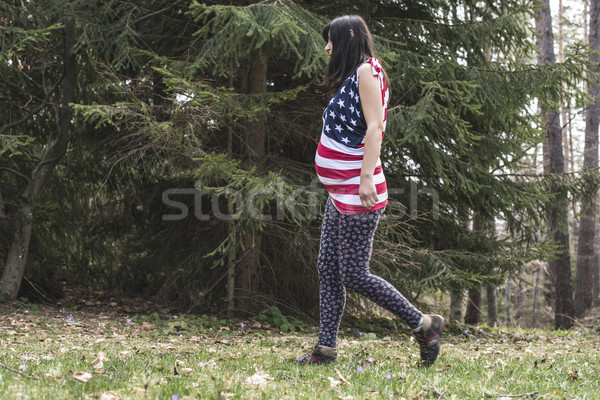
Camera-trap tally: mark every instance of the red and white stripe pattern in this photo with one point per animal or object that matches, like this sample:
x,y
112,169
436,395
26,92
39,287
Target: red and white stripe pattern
x,y
340,153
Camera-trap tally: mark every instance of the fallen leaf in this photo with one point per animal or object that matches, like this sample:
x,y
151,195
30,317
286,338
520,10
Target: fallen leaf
x,y
260,378
417,396
50,377
82,376
98,363
108,396
179,363
187,371
574,375
147,326
340,377
333,382
209,364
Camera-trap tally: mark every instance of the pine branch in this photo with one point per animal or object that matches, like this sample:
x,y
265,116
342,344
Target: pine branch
x,y
158,12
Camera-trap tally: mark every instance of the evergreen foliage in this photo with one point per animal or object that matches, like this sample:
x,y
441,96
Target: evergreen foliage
x,y
164,105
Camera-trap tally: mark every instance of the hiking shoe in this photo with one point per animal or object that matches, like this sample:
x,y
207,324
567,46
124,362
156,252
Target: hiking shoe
x,y
318,355
429,341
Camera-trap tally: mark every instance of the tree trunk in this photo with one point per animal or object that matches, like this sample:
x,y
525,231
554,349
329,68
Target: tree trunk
x,y
257,129
231,256
587,227
536,293
256,132
560,267
561,59
456,306
492,305
565,117
473,313
508,300
596,265
519,300
17,254
16,260
249,274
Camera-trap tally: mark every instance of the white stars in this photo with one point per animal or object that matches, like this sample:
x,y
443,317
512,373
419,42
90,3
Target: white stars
x,y
331,114
358,113
352,107
331,101
345,140
343,89
338,128
351,93
341,103
356,98
343,118
353,122
327,128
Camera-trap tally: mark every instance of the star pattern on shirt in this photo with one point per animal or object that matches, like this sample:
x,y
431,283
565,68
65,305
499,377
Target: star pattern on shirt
x,y
342,119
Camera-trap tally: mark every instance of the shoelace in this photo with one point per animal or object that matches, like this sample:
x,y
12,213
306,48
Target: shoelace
x,y
420,336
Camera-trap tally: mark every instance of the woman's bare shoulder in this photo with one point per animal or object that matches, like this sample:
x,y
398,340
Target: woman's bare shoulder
x,y
366,67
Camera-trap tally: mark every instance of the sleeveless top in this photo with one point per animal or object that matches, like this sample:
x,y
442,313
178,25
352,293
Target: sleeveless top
x,y
340,153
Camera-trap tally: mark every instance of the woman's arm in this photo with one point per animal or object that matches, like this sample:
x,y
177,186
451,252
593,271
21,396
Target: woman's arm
x,y
370,100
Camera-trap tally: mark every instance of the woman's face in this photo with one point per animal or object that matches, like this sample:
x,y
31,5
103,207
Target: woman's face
x,y
329,45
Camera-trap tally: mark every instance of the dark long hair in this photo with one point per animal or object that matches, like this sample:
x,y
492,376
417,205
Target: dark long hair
x,y
352,45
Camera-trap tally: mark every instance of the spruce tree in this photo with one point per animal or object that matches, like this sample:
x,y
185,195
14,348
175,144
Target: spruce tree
x,y
224,98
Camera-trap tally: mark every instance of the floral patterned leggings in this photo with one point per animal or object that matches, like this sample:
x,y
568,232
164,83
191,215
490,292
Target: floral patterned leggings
x,y
346,244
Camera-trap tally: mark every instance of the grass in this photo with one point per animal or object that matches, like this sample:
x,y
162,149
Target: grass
x,y
44,350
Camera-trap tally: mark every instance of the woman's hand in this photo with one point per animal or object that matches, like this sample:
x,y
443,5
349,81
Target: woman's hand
x,y
367,192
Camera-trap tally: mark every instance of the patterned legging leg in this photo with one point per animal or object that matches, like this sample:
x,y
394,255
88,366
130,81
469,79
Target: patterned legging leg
x,y
344,254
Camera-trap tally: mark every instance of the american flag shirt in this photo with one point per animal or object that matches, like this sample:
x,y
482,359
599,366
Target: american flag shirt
x,y
340,153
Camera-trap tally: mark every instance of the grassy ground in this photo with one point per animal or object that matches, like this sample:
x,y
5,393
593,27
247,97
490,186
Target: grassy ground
x,y
56,354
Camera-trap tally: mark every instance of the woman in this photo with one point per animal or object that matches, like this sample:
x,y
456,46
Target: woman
x,y
347,163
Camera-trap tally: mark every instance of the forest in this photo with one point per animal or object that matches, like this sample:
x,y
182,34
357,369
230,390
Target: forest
x,y
165,149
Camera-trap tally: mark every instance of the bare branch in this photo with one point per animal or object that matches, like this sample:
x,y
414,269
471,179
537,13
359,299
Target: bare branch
x,y
167,8
16,173
35,110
